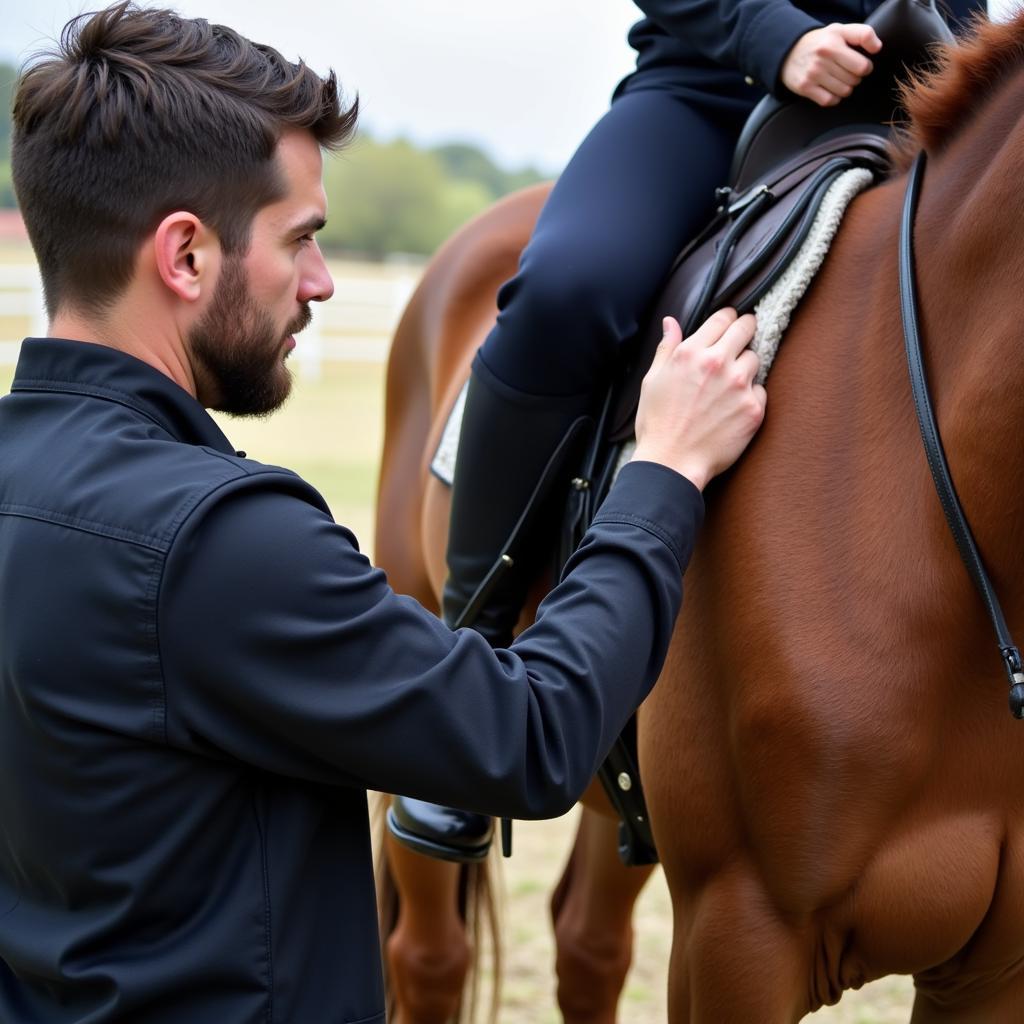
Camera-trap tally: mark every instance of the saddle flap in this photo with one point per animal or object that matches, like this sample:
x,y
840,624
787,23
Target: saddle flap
x,y
745,249
753,237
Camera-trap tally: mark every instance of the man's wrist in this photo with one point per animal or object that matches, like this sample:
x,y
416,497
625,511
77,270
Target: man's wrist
x,y
693,468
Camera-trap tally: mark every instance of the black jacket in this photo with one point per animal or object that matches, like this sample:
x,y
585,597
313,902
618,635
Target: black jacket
x,y
693,41
201,676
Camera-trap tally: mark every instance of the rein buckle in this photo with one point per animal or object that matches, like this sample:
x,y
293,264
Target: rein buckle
x,y
1011,656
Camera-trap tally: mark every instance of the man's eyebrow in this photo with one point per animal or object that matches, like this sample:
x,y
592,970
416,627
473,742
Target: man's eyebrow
x,y
309,226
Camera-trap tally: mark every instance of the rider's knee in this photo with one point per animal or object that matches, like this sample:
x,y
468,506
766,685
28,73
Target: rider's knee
x,y
568,286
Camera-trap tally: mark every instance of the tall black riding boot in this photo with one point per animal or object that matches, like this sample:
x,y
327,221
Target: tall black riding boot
x,y
516,453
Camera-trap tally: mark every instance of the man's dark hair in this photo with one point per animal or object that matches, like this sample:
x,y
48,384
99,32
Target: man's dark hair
x,y
141,112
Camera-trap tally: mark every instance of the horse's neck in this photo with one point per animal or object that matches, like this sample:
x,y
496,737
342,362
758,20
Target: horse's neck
x,y
971,274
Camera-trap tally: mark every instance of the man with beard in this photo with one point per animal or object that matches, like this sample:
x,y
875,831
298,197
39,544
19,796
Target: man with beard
x,y
200,675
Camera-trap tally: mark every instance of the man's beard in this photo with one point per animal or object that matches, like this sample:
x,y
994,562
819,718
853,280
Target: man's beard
x,y
238,349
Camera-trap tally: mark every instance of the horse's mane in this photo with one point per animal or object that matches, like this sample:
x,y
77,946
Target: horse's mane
x,y
940,101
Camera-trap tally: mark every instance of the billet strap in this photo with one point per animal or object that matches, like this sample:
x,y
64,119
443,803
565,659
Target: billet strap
x,y
620,776
933,445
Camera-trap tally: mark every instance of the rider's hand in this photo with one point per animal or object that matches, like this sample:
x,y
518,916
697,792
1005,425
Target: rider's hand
x,y
824,67
699,406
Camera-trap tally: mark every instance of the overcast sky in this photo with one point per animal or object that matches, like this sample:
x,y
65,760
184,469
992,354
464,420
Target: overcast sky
x,y
524,78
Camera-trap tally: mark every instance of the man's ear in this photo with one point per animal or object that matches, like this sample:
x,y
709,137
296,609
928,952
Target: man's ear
x,y
187,255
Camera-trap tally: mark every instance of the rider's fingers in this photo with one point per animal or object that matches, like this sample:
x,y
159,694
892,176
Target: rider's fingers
x,y
837,87
748,362
861,35
713,328
836,72
817,94
853,62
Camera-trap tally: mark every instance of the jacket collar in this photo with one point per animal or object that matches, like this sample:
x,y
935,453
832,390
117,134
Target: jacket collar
x,y
97,371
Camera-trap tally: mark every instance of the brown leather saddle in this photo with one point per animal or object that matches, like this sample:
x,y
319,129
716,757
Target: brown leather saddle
x,y
789,154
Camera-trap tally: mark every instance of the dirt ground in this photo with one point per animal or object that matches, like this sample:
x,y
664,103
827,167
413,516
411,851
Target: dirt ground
x,y
540,851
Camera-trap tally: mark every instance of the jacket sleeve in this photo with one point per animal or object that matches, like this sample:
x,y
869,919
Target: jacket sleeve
x,y
753,36
282,647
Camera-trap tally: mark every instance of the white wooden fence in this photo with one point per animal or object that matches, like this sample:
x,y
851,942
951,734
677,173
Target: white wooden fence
x,y
355,325
21,298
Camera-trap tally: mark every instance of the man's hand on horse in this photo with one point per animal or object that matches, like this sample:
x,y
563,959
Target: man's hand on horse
x,y
826,64
699,405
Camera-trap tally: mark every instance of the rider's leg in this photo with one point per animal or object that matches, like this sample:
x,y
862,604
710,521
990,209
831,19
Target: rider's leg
x,y
640,184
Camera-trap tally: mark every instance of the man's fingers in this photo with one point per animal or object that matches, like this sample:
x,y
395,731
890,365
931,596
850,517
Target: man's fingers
x,y
739,335
836,74
671,336
713,328
834,69
748,362
761,395
863,36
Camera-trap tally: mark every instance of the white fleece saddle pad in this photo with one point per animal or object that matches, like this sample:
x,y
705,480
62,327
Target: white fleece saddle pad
x,y
773,312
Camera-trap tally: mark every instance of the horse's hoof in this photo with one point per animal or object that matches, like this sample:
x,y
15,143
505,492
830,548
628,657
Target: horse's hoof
x,y
442,832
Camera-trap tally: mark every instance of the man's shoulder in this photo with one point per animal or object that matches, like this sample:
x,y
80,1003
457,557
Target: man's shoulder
x,y
221,475
126,479
204,474
179,481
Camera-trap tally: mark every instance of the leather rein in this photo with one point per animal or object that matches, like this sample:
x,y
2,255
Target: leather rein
x,y
933,445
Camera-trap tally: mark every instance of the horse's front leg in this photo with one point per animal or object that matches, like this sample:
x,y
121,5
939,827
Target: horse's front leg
x,y
736,958
592,909
428,953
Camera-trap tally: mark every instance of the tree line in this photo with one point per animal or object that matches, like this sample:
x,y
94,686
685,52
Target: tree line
x,y
384,197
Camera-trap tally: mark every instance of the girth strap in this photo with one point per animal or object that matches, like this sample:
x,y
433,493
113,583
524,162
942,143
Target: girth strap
x,y
933,445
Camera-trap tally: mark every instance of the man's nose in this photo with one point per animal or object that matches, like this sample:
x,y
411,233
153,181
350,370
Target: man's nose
x,y
315,284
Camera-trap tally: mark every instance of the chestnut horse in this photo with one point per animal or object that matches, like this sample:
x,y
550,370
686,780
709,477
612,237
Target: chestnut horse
x,y
829,763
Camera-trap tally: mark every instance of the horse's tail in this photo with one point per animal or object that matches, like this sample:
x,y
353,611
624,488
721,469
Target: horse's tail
x,y
479,907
